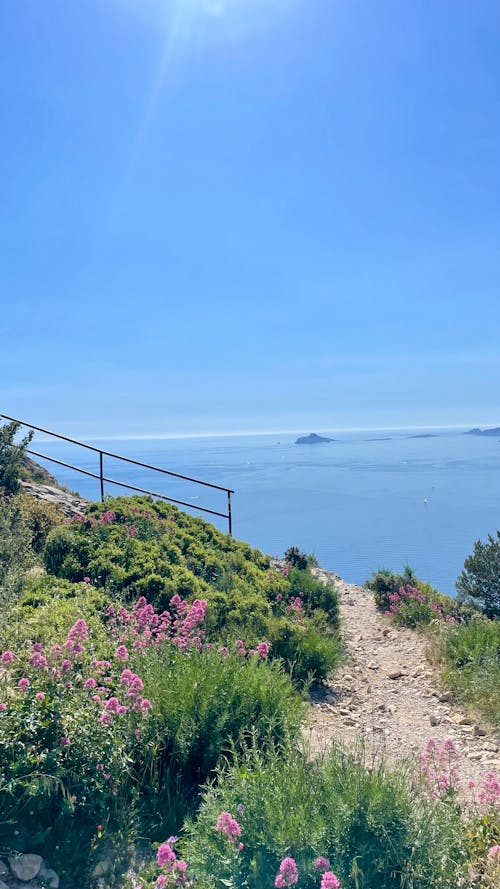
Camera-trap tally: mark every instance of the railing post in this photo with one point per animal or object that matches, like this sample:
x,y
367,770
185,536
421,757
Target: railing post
x,y
101,476
229,516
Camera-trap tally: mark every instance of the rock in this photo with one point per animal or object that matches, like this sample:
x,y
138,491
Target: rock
x,y
478,732
395,674
348,678
49,877
443,697
3,885
434,719
25,867
102,867
348,720
373,666
330,699
475,756
491,746
4,868
465,720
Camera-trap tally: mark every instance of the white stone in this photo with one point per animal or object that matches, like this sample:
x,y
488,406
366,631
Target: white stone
x,y
25,867
49,877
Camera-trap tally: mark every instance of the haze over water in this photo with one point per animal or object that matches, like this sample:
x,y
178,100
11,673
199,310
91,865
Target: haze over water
x,y
357,503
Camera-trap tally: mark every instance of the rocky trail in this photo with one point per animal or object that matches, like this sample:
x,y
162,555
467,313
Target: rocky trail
x,y
387,693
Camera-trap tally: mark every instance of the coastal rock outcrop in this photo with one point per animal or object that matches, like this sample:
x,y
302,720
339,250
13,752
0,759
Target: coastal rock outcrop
x,y
312,438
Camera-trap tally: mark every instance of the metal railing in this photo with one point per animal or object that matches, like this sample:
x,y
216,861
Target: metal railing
x,y
102,478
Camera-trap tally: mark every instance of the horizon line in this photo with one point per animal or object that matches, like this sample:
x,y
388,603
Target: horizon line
x,y
196,435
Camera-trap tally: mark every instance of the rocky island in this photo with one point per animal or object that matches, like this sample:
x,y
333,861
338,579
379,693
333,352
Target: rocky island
x,y
312,438
476,431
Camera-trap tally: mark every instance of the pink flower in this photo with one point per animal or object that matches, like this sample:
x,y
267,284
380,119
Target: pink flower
x,y
64,741
86,580
3,707
39,696
121,653
494,853
228,825
23,684
105,718
263,649
165,855
90,683
322,863
7,658
329,881
288,874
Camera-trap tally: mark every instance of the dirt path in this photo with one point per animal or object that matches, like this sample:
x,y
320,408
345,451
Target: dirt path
x,y
387,692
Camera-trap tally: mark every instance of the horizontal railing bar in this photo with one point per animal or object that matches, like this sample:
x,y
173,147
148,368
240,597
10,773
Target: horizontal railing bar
x,y
186,478
113,481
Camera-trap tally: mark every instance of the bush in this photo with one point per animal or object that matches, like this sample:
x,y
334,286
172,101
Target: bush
x,y
16,554
315,594
296,559
374,829
480,579
40,518
11,456
116,726
384,582
308,654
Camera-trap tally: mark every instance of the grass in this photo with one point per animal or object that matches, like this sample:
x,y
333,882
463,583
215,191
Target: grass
x,y
469,658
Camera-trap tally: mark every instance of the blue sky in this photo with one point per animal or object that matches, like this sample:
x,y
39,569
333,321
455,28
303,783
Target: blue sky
x,y
231,215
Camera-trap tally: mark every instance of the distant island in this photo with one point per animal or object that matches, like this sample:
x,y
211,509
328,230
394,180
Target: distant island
x,y
313,438
424,435
495,431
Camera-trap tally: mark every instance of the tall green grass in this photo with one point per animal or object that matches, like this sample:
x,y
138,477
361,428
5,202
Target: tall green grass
x,y
469,655
377,832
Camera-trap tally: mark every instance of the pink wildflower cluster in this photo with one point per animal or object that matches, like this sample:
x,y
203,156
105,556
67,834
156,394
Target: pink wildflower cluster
x,y
488,792
409,595
68,661
441,777
288,874
439,768
228,825
143,626
175,868
494,853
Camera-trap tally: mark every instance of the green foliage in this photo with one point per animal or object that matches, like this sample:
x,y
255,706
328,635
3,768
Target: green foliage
x,y
470,658
135,546
16,553
203,706
40,518
296,559
480,579
385,582
315,594
375,830
11,455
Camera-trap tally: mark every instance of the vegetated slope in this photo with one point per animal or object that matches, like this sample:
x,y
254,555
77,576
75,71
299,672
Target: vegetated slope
x,y
134,547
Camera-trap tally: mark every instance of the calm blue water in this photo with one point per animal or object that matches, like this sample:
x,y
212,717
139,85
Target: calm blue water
x,y
358,504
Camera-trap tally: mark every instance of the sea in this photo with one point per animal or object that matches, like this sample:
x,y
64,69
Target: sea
x,y
366,500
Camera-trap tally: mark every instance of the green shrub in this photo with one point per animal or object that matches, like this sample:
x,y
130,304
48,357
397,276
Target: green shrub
x,y
385,582
16,552
308,654
374,829
204,706
480,579
134,546
11,455
40,518
470,658
315,594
